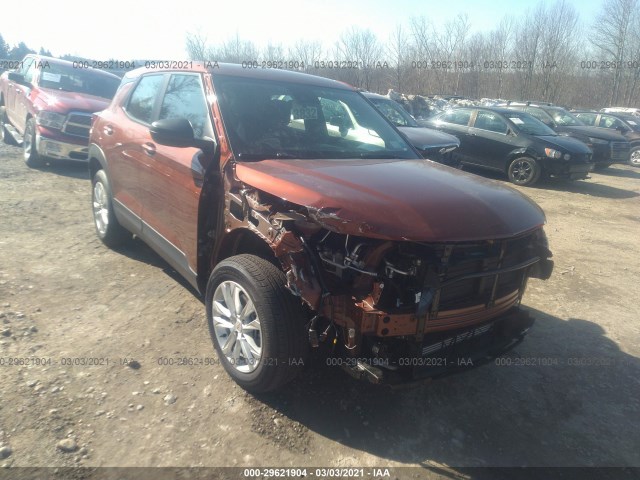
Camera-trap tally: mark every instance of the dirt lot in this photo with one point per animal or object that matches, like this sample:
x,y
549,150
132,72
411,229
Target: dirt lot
x,y
569,395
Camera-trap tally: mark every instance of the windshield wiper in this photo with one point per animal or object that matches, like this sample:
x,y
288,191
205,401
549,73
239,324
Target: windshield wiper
x,y
374,155
243,156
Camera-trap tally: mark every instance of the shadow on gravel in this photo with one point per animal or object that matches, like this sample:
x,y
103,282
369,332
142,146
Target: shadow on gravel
x,y
631,172
67,169
566,396
586,187
136,249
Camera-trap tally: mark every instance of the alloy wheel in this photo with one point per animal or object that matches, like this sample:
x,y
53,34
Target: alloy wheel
x,y
237,326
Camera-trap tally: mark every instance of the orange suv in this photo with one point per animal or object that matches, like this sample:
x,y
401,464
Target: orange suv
x,y
306,234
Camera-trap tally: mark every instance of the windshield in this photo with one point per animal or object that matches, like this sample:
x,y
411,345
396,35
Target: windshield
x,y
526,123
564,118
272,119
69,79
394,112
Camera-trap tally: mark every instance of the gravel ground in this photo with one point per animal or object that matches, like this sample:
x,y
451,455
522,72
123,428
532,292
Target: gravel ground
x,y
569,395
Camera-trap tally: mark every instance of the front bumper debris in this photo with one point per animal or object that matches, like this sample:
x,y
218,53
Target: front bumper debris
x,y
448,352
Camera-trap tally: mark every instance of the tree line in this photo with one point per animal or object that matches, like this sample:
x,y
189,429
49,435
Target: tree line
x,y
548,54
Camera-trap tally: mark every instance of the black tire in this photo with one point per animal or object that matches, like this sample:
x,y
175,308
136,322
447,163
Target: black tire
x,y
524,171
4,133
109,231
278,315
31,156
634,160
601,166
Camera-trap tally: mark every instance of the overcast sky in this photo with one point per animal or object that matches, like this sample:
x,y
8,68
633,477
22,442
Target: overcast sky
x,y
138,29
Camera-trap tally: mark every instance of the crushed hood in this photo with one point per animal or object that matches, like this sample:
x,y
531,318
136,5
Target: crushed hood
x,y
415,200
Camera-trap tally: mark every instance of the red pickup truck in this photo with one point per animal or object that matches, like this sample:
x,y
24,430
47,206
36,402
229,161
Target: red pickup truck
x,y
46,105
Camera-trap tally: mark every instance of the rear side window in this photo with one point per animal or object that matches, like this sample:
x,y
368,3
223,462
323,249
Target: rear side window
x,y
143,97
457,117
184,98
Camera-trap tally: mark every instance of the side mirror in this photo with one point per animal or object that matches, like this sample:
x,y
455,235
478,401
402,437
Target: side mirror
x,y
18,78
621,129
178,132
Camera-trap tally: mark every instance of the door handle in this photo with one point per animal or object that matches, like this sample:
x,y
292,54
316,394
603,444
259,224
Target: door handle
x,y
108,130
149,148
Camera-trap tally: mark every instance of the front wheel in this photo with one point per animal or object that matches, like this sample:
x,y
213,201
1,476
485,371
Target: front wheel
x,y
255,323
524,171
30,153
635,157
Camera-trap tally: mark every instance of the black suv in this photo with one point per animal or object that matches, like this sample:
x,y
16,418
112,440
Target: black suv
x,y
626,124
431,143
608,147
514,143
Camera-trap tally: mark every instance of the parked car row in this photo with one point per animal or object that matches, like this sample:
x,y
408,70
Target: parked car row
x,y
627,124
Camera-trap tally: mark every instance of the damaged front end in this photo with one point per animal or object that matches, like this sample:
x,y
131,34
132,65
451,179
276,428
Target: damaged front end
x,y
393,311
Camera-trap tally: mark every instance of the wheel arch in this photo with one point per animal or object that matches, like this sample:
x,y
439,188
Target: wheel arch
x,y
97,160
520,152
238,241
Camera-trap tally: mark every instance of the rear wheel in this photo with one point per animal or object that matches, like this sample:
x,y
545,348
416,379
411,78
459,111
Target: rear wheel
x,y
524,171
257,326
108,229
635,157
4,133
31,156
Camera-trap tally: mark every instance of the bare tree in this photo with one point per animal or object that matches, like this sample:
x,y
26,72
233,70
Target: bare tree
x,y
361,46
612,35
558,48
196,46
306,52
398,50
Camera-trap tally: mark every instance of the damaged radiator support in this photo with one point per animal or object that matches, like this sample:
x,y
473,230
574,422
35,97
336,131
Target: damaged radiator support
x,y
429,303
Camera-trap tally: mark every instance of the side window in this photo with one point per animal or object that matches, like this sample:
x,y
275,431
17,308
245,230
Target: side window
x,y
491,122
587,118
457,117
184,98
143,97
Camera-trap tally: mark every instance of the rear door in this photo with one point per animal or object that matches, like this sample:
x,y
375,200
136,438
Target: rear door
x,y
489,140
126,138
